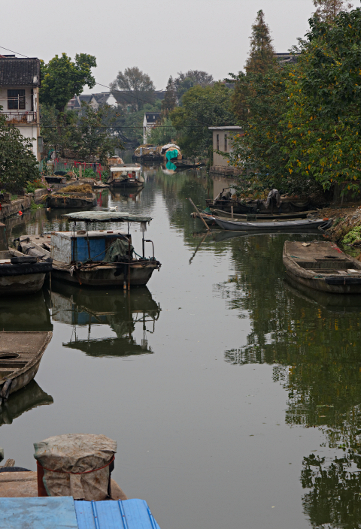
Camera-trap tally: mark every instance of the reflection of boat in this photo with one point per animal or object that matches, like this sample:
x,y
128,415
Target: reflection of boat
x,y
20,356
259,225
82,308
31,314
126,175
341,304
23,400
322,266
223,235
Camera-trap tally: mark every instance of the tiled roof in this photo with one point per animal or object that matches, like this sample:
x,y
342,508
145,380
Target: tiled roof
x,y
19,72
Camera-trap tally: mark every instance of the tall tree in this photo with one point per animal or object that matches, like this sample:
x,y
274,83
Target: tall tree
x,y
185,81
63,78
138,86
170,98
17,161
327,10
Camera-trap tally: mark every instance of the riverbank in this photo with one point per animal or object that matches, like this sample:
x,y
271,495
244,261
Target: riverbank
x,y
346,227
21,204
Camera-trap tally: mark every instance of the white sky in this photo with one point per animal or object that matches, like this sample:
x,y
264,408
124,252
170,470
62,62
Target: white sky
x,y
160,37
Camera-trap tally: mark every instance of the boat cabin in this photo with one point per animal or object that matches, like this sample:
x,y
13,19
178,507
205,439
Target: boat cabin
x,y
125,174
81,246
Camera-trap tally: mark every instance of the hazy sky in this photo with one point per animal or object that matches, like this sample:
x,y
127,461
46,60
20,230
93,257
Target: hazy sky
x,y
160,37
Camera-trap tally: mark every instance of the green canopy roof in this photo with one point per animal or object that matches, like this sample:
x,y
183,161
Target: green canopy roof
x,y
106,216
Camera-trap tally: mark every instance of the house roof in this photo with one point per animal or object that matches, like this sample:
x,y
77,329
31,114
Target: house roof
x,y
19,72
152,117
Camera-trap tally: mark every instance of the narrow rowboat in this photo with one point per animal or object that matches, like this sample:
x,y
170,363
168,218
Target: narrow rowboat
x,y
298,225
321,265
20,356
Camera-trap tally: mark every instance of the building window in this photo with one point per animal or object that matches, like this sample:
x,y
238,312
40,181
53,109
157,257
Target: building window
x,y
217,142
225,143
16,99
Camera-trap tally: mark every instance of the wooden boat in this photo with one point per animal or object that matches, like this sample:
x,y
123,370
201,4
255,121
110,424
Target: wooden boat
x,y
20,356
81,256
276,225
59,200
321,265
224,201
20,274
126,176
262,215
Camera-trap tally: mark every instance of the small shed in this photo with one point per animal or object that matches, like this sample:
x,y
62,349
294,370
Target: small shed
x,y
222,141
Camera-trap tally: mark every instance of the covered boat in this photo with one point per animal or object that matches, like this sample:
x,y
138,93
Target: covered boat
x,y
322,266
20,274
126,176
97,258
20,356
148,153
171,152
267,225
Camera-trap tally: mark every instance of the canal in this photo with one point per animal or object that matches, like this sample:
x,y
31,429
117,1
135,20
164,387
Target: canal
x,y
233,396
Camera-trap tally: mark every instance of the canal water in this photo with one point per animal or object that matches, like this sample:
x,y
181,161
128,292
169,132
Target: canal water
x,y
234,397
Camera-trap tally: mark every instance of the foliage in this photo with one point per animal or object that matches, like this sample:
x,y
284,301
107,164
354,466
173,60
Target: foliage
x,y
327,10
163,134
170,98
185,81
17,161
202,107
324,130
58,129
128,124
63,78
139,86
353,236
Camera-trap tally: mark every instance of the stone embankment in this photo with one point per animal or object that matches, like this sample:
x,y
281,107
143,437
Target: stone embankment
x,y
21,204
346,227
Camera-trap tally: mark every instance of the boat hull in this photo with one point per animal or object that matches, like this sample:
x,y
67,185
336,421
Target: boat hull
x,y
331,285
294,225
21,284
126,184
105,275
63,202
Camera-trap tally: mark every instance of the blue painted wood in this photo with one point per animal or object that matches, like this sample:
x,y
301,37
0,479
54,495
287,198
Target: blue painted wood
x,y
38,513
128,514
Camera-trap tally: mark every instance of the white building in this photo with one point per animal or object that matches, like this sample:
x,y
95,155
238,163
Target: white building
x,y
150,120
222,141
19,96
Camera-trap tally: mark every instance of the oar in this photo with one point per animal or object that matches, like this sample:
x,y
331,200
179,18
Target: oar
x,y
200,216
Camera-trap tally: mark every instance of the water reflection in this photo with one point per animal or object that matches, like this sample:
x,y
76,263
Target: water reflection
x,y
124,313
28,398
30,313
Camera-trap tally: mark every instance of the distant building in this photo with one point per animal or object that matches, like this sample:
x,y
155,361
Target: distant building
x,y
150,120
283,58
19,96
222,141
94,100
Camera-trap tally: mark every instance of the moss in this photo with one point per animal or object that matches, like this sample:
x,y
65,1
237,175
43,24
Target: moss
x,y
352,236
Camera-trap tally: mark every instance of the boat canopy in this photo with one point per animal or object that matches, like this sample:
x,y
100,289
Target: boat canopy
x,y
125,168
106,216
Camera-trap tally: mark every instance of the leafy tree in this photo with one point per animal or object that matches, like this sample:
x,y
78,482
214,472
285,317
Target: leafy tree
x,y
139,86
128,124
18,164
170,99
58,129
61,78
327,10
185,81
324,129
163,134
202,107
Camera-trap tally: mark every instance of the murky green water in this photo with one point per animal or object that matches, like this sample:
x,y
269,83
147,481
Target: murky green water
x,y
234,397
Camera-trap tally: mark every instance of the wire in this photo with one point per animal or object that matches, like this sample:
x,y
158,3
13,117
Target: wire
x,y
12,51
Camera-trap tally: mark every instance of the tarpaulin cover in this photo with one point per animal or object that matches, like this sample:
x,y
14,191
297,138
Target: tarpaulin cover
x,y
67,460
118,250
106,216
171,154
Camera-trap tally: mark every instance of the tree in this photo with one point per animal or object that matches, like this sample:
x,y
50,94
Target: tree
x,y
202,107
18,164
327,10
324,106
165,133
170,98
138,85
185,81
63,78
262,54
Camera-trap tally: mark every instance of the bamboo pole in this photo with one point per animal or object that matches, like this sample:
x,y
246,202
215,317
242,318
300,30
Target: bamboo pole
x,y
195,207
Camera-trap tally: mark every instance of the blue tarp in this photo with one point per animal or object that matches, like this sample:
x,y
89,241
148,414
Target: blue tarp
x,y
171,154
128,514
38,513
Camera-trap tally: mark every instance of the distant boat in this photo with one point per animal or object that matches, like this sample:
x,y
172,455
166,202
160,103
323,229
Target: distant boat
x,y
20,356
276,225
322,266
125,176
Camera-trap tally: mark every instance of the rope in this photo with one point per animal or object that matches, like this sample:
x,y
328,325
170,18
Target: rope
x,y
86,472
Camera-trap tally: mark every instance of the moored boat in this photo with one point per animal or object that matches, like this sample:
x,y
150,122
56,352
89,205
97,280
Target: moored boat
x,y
96,258
268,225
126,176
321,265
20,356
20,274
